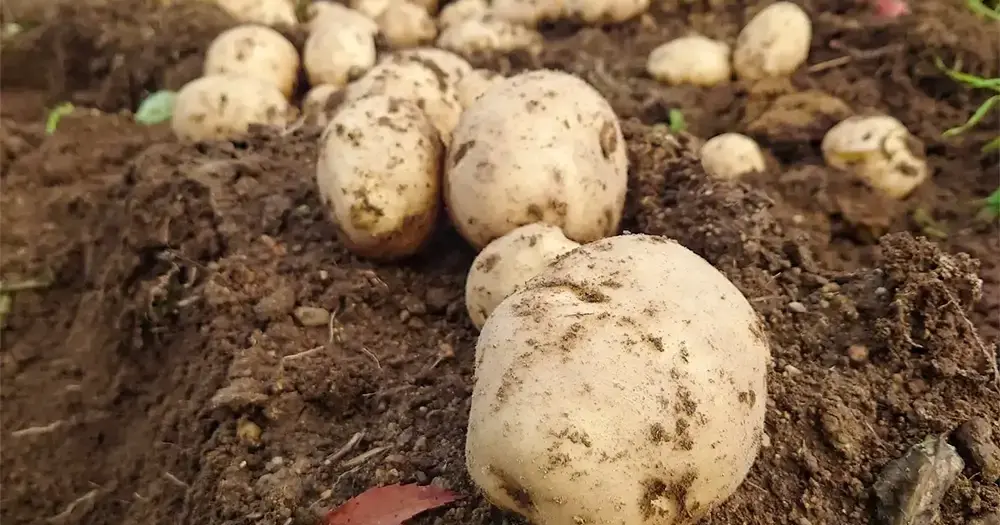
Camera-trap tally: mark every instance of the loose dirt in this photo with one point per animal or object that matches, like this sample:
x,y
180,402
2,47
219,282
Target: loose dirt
x,y
164,374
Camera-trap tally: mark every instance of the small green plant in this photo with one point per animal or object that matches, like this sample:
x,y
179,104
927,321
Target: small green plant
x,y
57,113
675,119
156,108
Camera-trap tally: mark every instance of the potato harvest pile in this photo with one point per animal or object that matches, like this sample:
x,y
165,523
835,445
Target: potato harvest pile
x,y
477,262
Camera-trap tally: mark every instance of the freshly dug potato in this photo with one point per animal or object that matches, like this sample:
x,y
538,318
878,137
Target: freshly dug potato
x,y
256,51
690,60
509,262
487,34
337,53
527,12
774,43
460,10
604,11
320,104
625,384
474,84
267,12
324,14
542,146
220,107
405,24
450,66
378,173
880,151
731,155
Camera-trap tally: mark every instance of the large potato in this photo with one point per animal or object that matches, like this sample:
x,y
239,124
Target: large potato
x,y
256,51
219,107
378,171
623,385
774,43
542,146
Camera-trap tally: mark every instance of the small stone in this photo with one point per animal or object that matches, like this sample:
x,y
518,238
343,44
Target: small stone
x,y
797,307
858,354
792,371
909,489
278,303
312,316
437,299
974,440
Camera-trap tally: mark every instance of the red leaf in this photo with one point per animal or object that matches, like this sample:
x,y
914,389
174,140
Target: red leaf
x,y
390,505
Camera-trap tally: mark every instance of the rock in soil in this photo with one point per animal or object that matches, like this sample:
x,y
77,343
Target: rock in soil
x,y
909,490
974,440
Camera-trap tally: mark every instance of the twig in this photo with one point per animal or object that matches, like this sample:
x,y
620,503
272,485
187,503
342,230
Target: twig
x,y
86,498
23,286
35,431
852,55
175,480
371,355
359,459
303,353
347,447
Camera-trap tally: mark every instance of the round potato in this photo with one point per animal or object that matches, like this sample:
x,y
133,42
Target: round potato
x,y
330,14
255,51
267,12
487,34
378,172
509,262
690,60
624,384
731,155
220,107
405,24
542,146
774,43
880,151
336,54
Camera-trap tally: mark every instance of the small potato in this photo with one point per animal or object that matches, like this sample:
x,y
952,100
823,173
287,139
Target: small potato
x,y
542,146
488,35
378,173
474,84
323,14
774,43
461,10
404,24
417,82
731,155
507,263
604,11
336,54
221,107
880,151
527,12
255,51
320,104
266,12
625,384
690,60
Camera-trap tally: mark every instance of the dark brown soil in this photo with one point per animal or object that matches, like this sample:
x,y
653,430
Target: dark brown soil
x,y
162,376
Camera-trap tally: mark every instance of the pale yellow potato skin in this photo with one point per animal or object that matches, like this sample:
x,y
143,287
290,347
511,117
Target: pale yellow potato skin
x,y
691,59
880,151
267,12
256,51
623,385
220,107
336,54
774,43
730,156
404,25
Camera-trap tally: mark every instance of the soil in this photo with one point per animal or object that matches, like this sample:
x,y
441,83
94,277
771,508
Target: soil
x,y
163,376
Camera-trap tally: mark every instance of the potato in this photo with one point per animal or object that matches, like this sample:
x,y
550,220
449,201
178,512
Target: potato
x,y
460,10
451,66
417,82
542,146
527,12
335,54
220,107
474,84
323,14
320,104
404,24
378,172
774,43
625,384
731,155
267,12
690,60
604,11
880,151
487,35
255,51
507,263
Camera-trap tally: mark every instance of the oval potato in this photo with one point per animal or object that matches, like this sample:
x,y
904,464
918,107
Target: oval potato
x,y
256,51
220,107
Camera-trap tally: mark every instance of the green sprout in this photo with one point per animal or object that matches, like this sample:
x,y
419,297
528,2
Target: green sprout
x,y
156,108
675,120
57,113
979,7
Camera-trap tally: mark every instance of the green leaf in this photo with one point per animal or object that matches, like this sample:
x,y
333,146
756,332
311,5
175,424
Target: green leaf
x,y
676,121
57,113
980,7
976,117
993,203
157,108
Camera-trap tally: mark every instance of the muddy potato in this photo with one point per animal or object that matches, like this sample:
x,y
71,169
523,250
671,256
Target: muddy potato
x,y
507,263
405,24
320,103
336,54
474,84
774,43
460,10
220,107
326,13
487,34
604,11
632,348
690,60
255,51
378,172
267,12
880,151
731,155
542,146
453,66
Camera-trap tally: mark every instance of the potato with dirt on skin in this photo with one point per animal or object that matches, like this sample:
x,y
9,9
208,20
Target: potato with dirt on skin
x,y
221,107
542,146
880,151
335,54
267,12
328,14
774,43
320,104
450,66
731,155
633,348
461,10
474,84
509,262
488,34
378,172
405,24
691,59
256,51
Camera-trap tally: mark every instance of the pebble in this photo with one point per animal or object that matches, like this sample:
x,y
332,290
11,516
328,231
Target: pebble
x,y
312,316
278,303
858,354
974,440
797,307
909,490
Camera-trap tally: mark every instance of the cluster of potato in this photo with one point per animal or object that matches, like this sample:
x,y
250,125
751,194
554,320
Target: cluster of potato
x,y
877,149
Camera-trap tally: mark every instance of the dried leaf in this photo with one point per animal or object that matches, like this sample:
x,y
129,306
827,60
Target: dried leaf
x,y
390,505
